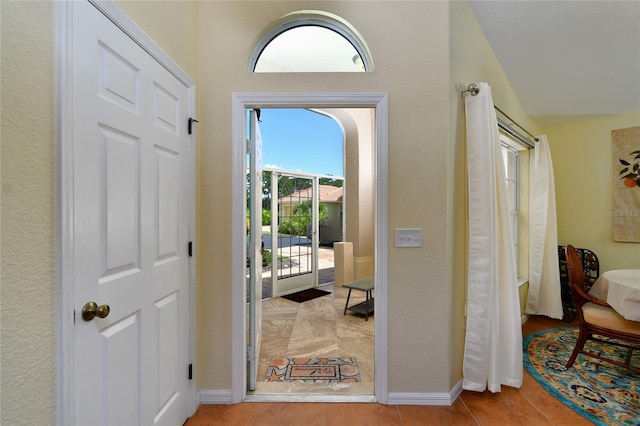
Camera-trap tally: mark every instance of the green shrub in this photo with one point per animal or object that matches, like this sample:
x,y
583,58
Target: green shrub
x,y
300,218
266,217
266,257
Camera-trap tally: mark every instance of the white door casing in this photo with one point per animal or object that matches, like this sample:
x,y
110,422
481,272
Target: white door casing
x,y
240,103
255,246
127,203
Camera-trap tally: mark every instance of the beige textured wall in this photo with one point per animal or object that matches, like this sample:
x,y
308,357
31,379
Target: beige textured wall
x,y
28,294
172,25
28,229
472,61
583,168
411,58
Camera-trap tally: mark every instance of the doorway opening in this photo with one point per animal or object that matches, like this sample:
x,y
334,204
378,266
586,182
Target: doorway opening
x,y
319,332
372,173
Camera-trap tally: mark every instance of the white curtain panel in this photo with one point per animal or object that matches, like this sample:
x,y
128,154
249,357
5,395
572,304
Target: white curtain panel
x,y
544,297
493,343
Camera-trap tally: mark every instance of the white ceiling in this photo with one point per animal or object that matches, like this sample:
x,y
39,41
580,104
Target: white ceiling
x,y
567,60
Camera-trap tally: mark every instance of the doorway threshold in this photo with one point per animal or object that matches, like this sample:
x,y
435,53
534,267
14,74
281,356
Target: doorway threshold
x,y
309,397
312,388
312,392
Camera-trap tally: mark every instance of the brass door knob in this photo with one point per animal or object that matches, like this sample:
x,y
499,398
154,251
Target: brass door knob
x,y
92,310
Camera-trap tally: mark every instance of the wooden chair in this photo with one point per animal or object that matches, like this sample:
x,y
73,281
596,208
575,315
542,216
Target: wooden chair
x,y
598,318
591,268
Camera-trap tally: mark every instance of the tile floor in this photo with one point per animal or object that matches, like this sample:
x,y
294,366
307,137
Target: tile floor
x,y
316,328
529,405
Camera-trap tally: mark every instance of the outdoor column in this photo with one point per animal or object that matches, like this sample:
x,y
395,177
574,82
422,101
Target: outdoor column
x,y
343,258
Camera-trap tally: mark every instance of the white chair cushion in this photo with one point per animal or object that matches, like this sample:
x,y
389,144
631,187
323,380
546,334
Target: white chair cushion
x,y
604,316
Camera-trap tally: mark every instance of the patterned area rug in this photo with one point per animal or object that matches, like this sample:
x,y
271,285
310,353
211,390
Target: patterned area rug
x,y
601,392
327,370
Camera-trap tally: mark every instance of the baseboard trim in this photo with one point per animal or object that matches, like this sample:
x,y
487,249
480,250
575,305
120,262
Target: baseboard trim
x,y
397,398
447,399
225,397
215,397
524,319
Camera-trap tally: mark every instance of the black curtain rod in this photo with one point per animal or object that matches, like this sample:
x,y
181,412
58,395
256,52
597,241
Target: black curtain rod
x,y
474,90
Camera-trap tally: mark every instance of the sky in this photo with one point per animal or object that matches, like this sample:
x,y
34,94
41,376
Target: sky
x,y
301,140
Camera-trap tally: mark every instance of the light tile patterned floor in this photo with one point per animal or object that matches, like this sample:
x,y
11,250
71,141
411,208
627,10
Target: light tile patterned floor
x,y
316,328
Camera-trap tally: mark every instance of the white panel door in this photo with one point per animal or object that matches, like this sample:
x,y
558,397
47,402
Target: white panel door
x,y
130,230
255,248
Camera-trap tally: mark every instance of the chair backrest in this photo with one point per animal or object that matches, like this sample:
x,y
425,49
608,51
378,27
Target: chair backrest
x,y
591,268
576,277
590,265
574,266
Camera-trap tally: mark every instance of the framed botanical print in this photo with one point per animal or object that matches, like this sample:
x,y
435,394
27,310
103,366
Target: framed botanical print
x,y
626,184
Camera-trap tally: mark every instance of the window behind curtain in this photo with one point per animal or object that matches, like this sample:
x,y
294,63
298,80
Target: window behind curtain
x,y
516,165
511,159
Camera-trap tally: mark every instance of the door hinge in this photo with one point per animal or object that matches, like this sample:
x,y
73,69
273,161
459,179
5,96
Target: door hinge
x,y
190,125
190,371
190,249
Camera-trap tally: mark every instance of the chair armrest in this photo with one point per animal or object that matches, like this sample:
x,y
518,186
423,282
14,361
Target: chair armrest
x,y
579,291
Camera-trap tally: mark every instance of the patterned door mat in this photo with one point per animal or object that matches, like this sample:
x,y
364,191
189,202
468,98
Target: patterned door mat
x,y
326,370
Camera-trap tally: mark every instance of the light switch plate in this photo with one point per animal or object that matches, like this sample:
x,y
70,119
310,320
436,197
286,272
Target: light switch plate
x,y
408,237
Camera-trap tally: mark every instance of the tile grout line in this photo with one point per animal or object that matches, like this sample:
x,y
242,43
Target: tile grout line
x,y
399,414
469,410
536,407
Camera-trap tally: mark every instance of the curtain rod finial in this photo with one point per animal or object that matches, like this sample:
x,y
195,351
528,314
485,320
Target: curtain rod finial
x,y
472,88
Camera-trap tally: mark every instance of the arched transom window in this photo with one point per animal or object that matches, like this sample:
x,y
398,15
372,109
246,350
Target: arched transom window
x,y
310,41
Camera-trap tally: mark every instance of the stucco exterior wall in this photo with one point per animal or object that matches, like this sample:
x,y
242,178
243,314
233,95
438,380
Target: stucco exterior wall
x,y
360,199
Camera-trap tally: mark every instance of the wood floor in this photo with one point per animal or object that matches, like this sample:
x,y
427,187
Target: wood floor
x,y
529,405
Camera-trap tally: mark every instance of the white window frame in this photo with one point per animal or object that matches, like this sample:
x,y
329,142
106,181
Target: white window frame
x,y
512,175
311,18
